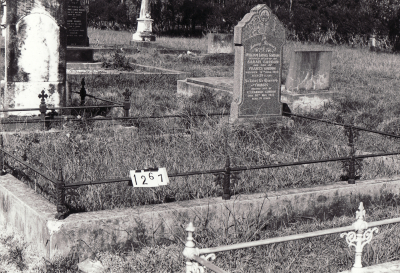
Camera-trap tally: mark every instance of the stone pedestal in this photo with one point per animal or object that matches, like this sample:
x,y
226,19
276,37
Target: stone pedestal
x,y
144,30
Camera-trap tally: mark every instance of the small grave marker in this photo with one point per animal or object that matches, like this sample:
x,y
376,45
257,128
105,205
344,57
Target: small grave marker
x,y
259,39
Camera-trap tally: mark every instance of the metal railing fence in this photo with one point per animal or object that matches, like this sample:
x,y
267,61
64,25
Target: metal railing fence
x,y
363,235
223,176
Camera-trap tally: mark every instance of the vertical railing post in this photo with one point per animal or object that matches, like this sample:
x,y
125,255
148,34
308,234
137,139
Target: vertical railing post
x,y
127,102
60,188
359,238
2,171
82,92
351,168
191,250
42,106
227,180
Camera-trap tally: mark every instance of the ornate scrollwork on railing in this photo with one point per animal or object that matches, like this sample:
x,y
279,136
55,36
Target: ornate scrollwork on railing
x,y
190,251
359,238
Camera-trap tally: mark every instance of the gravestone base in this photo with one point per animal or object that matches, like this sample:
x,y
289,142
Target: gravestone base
x,y
144,30
26,95
308,102
144,37
80,54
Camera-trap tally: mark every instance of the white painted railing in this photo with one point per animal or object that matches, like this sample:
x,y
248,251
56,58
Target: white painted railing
x,y
358,235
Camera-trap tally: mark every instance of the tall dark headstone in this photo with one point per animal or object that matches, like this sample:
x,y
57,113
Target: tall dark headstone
x,y
36,43
259,38
77,23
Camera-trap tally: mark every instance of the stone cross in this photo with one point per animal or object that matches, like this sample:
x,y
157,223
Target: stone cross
x,y
35,54
259,39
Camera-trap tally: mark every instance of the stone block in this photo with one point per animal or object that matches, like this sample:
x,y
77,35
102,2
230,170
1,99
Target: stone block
x,y
309,70
220,43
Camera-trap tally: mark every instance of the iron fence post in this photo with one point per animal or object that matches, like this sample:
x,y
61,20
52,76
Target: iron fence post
x,y
2,171
227,180
82,92
42,106
127,102
352,162
60,188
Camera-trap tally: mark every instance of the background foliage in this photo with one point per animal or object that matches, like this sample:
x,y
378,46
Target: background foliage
x,y
326,21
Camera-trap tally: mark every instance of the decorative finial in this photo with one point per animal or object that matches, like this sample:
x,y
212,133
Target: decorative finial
x,y
359,239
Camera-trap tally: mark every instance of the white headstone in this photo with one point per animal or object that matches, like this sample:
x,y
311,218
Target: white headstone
x,y
35,54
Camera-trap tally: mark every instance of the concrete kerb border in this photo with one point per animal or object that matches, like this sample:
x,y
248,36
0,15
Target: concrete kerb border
x,y
84,233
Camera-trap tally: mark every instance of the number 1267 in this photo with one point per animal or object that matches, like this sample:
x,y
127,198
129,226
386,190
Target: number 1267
x,y
153,178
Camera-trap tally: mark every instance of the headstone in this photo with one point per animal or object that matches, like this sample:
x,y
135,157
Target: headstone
x,y
259,40
309,70
36,44
220,43
77,23
144,31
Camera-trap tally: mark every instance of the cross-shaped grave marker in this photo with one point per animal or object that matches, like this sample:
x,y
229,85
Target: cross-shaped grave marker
x,y
42,105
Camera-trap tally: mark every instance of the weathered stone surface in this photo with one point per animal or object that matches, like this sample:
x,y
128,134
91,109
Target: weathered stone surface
x,y
390,267
220,43
77,23
35,53
259,40
309,70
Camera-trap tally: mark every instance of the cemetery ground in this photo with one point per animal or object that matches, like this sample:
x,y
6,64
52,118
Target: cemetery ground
x,y
367,83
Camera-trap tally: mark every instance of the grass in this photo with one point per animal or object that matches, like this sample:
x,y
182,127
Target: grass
x,y
367,83
111,37
88,154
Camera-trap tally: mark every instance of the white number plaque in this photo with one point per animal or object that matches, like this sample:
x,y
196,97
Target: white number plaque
x,y
149,177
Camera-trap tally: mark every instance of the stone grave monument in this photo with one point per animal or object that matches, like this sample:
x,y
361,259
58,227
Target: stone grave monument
x,y
309,70
36,41
77,23
259,39
308,79
144,31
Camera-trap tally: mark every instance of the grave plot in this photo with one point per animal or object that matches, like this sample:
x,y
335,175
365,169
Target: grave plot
x,y
200,153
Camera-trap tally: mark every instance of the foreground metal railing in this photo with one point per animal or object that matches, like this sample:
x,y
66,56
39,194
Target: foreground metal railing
x,y
198,259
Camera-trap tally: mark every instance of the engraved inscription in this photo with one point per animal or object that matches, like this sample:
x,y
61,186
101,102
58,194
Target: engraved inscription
x,y
76,23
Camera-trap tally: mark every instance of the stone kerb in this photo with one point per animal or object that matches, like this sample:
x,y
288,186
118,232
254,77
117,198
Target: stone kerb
x,y
84,233
35,53
259,38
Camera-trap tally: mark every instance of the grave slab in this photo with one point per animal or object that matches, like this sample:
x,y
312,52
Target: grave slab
x,y
32,215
